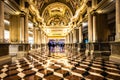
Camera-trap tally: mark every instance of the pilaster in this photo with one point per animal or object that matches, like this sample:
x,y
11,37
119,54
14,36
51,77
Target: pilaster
x,y
1,21
117,38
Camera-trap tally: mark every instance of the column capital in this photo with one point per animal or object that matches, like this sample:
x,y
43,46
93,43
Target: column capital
x,y
89,3
94,13
22,14
80,24
39,29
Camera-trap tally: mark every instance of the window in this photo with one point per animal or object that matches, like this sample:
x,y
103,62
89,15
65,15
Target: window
x,y
31,40
6,35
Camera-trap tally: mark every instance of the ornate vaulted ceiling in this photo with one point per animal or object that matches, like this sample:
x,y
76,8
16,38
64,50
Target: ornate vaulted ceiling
x,y
57,14
72,4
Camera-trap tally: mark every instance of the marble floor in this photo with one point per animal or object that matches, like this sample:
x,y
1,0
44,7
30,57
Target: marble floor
x,y
60,66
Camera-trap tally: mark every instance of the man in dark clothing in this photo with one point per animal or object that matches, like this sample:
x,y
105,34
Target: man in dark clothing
x,y
49,46
62,46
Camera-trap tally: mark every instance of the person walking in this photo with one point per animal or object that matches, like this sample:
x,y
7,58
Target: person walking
x,y
49,46
62,46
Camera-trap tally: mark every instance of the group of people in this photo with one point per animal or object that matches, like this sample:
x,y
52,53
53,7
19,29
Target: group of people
x,y
53,46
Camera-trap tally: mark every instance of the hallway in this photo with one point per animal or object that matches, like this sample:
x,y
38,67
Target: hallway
x,y
59,39
60,66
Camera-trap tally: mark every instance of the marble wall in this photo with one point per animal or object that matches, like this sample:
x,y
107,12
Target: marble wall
x,y
4,49
115,52
115,49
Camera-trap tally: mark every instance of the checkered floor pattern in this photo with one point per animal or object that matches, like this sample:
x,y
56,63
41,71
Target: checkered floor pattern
x,y
77,67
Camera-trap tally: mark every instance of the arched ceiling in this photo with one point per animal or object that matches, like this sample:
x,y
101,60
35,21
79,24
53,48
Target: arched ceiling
x,y
57,14
72,4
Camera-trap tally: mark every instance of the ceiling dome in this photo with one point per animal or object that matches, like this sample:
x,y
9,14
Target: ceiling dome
x,y
58,12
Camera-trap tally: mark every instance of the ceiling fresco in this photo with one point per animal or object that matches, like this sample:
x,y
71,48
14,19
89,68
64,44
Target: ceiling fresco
x,y
72,4
57,14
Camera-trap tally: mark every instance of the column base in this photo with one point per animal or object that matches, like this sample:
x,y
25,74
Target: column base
x,y
115,58
5,59
117,37
115,51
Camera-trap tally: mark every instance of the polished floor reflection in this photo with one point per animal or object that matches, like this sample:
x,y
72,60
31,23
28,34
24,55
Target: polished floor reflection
x,y
60,66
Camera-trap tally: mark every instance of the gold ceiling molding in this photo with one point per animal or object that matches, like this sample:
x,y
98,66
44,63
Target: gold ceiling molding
x,y
57,7
57,11
72,4
57,20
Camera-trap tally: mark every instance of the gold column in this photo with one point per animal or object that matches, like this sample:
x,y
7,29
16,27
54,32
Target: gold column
x,y
68,39
26,28
89,22
1,21
39,36
35,35
77,35
80,34
41,39
74,35
71,37
65,39
15,28
46,39
22,7
94,27
22,22
117,38
94,3
80,30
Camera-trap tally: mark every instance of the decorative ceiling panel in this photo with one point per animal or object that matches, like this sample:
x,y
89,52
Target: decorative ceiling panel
x,y
57,14
72,4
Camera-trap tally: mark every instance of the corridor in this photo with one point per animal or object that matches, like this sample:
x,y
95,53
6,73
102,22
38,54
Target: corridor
x,y
59,39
